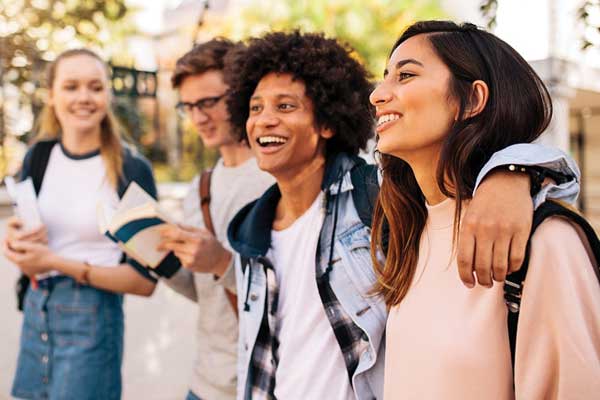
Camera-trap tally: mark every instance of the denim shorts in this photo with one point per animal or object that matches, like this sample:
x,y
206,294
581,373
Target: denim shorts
x,y
71,343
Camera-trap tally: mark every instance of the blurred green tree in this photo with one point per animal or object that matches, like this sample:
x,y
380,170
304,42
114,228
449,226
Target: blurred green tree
x,y
369,26
32,32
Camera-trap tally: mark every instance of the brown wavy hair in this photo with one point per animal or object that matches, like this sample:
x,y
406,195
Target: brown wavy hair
x,y
518,110
111,147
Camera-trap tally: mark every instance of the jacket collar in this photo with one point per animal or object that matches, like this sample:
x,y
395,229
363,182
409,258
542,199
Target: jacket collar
x,y
249,232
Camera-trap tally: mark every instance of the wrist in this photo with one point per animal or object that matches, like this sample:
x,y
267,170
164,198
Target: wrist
x,y
222,265
83,277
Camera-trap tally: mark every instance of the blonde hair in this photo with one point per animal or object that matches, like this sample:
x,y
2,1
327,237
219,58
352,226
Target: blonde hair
x,y
48,126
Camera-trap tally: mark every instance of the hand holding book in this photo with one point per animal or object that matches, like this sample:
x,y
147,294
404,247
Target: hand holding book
x,y
135,226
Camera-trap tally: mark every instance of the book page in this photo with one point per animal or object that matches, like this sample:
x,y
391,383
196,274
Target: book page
x,y
134,196
25,202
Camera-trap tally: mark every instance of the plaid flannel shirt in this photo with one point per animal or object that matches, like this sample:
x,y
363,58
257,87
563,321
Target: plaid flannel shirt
x,y
264,359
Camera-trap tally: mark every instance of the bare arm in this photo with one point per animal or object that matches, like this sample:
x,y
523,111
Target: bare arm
x,y
34,258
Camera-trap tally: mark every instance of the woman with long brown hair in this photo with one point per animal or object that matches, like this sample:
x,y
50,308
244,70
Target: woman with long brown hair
x,y
72,336
451,96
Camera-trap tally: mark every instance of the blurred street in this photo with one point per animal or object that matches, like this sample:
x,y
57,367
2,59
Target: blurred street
x,y
159,343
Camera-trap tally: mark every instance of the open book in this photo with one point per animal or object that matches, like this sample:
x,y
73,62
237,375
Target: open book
x,y
135,225
24,202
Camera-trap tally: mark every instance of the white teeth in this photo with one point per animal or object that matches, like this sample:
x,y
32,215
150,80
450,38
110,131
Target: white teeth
x,y
387,118
271,139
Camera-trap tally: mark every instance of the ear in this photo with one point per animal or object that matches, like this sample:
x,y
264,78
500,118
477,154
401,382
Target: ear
x,y
479,97
326,133
50,99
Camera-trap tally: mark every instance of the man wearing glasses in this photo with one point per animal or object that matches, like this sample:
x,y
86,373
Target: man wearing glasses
x,y
208,277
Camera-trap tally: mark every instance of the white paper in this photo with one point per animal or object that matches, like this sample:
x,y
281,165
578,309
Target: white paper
x,y
24,202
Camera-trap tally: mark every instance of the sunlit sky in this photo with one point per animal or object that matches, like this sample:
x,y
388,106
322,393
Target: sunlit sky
x,y
149,16
523,24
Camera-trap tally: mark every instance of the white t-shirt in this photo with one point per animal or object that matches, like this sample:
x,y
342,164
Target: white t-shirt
x,y
68,198
311,364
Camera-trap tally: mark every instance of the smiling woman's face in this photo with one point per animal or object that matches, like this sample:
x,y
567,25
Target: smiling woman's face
x,y
80,93
415,111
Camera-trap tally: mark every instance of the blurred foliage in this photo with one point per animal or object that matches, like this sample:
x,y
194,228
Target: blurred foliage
x,y
194,158
34,31
585,12
370,27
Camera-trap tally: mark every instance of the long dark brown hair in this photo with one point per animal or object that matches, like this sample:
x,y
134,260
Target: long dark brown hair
x,y
518,110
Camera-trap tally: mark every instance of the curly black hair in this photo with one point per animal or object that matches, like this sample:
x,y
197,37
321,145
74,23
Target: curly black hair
x,y
336,83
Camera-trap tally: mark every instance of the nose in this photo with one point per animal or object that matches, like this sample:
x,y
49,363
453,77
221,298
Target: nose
x,y
266,119
380,95
84,95
198,116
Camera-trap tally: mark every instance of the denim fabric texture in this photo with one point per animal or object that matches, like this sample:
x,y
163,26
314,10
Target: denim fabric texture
x,y
192,396
71,343
351,277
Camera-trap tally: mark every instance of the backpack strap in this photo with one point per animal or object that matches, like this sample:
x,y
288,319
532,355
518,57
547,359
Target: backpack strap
x,y
366,189
40,155
204,192
513,285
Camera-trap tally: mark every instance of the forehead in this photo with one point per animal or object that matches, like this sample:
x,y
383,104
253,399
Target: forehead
x,y
278,84
209,83
80,67
417,47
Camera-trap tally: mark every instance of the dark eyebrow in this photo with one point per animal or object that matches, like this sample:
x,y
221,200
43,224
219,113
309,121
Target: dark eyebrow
x,y
277,96
402,63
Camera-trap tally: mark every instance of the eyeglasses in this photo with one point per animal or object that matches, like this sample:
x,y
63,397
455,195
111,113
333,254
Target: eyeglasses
x,y
186,109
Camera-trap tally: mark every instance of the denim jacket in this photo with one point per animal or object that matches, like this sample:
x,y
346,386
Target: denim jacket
x,y
350,279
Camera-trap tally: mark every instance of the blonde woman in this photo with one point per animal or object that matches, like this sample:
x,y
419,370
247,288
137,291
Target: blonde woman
x,y
72,336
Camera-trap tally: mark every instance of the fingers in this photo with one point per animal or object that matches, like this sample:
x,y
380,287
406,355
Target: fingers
x,y
501,249
483,261
464,257
518,246
14,222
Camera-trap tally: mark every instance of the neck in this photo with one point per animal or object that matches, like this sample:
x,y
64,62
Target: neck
x,y
425,170
298,193
81,142
235,154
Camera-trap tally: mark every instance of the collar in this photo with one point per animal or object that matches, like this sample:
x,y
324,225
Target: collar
x,y
249,232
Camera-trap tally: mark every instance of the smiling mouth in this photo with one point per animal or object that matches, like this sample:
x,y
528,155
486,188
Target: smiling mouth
x,y
387,118
271,141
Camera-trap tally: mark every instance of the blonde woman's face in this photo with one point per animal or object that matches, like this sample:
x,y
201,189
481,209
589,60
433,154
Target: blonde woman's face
x,y
80,94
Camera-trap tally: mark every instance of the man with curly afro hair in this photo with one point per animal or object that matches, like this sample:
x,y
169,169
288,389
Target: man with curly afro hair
x,y
310,326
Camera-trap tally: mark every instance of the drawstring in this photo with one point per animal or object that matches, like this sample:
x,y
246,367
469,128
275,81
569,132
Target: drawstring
x,y
246,305
335,218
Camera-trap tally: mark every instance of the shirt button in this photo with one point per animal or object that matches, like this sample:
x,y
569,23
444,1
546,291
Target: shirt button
x,y
44,337
253,297
45,379
45,359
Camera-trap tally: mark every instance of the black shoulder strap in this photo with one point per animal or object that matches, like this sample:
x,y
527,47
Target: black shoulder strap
x,y
366,189
40,154
513,285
